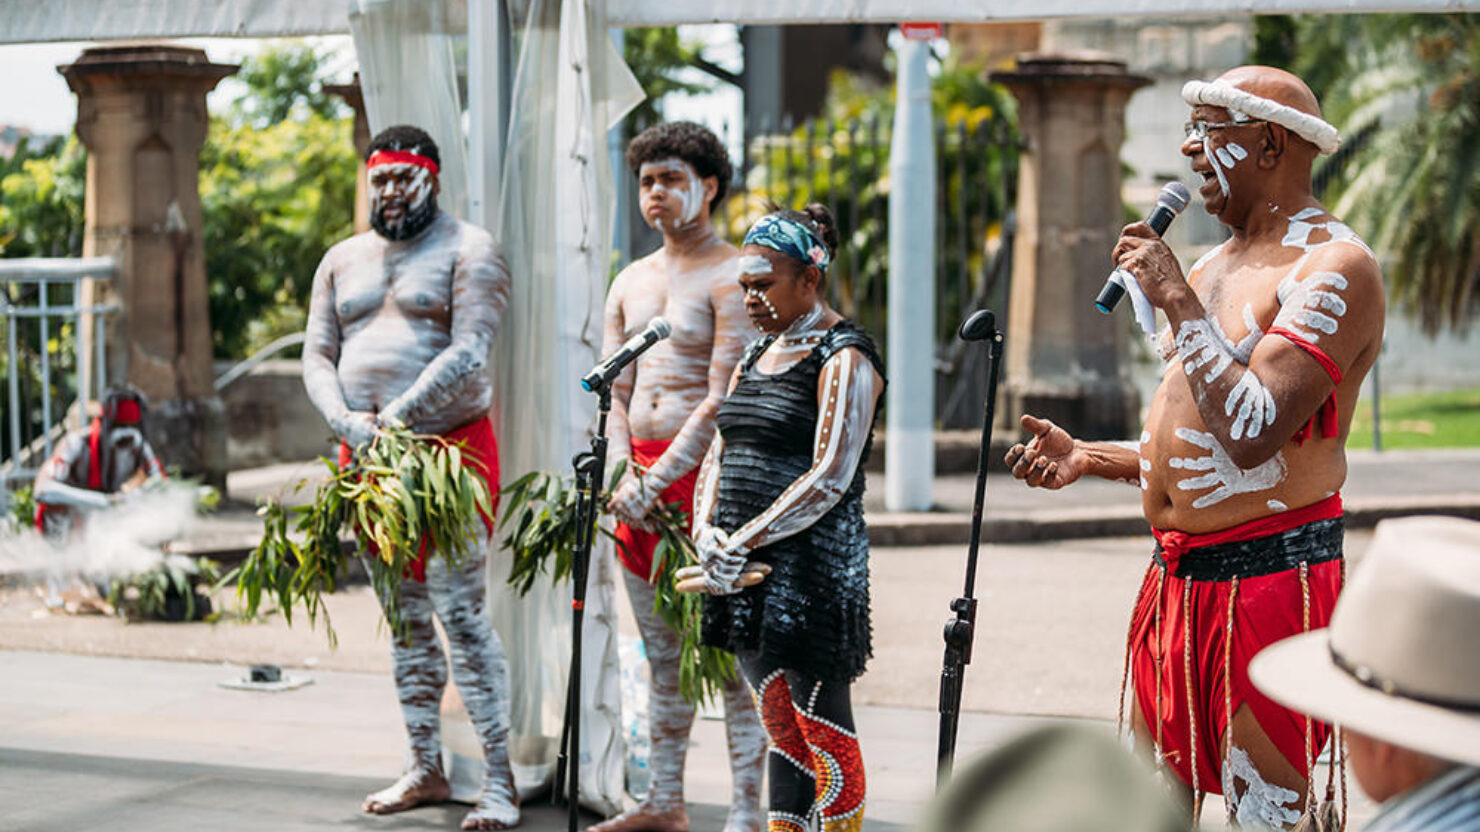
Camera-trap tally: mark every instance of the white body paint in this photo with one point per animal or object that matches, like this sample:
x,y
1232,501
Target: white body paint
x,y
1276,506
1203,344
754,264
1313,306
1145,463
1220,473
1262,805
690,198
1255,406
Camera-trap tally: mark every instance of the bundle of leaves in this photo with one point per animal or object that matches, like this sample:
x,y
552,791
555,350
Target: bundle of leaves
x,y
541,508
405,494
168,592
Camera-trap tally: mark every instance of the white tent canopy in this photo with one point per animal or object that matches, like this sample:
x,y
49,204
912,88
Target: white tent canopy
x,y
29,21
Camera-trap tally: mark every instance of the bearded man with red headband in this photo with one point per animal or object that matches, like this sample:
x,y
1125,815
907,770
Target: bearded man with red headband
x,y
1243,453
400,325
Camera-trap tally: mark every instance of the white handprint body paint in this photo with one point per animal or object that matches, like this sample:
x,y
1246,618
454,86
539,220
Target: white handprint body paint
x,y
1221,474
690,197
1203,344
1145,463
1312,306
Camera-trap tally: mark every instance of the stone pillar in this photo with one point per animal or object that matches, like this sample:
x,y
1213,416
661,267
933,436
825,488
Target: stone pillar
x,y
141,114
354,96
1066,360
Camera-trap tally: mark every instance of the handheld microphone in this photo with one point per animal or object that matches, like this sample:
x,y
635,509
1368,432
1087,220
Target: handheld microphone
x,y
1169,203
603,373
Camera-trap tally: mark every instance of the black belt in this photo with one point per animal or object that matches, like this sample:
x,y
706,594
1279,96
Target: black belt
x,y
1313,543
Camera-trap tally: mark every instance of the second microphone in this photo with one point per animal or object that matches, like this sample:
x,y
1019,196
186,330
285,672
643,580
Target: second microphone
x,y
610,367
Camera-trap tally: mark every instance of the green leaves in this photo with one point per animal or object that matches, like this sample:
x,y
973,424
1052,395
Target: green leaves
x,y
408,493
540,508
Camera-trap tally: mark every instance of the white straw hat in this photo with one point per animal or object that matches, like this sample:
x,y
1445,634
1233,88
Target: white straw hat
x,y
1401,659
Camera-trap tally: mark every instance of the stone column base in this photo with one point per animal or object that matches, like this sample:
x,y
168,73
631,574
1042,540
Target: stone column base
x,y
190,435
1095,410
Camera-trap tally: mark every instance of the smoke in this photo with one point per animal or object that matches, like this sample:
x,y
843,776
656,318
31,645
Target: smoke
x,y
112,543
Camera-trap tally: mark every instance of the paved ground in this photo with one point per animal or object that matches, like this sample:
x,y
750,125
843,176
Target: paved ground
x,y
97,730
75,721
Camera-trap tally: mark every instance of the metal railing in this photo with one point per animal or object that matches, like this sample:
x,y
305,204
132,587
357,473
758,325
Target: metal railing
x,y
47,368
845,165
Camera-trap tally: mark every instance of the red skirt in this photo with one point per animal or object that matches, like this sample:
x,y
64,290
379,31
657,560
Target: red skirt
x,y
1213,628
635,546
479,450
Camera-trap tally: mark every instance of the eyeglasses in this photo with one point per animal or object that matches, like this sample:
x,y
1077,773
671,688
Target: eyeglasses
x,y
1199,129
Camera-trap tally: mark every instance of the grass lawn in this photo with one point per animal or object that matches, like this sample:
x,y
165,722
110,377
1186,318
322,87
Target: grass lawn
x,y
1422,420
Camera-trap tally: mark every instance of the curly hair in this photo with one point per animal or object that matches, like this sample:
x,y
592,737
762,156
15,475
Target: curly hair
x,y
693,143
408,138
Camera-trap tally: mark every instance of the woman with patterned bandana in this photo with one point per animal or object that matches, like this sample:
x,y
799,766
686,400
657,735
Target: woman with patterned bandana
x,y
782,485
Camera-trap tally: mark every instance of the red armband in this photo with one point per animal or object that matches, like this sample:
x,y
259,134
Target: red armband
x,y
1330,427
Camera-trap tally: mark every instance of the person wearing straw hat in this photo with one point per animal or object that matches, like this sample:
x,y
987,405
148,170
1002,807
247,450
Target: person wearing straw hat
x,y
1399,672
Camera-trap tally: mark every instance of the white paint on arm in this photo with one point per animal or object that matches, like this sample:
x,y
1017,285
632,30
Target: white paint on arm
x,y
1220,473
322,339
1202,344
1312,306
847,392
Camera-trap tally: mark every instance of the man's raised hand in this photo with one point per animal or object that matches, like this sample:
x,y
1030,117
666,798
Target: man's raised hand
x,y
1051,459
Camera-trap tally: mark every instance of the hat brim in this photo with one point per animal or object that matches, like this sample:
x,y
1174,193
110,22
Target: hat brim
x,y
1300,674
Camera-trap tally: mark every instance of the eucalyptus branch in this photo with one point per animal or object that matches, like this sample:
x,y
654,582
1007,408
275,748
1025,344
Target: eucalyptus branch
x,y
405,495
540,511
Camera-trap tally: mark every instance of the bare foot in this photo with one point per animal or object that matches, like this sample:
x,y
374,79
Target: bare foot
x,y
415,788
494,811
645,818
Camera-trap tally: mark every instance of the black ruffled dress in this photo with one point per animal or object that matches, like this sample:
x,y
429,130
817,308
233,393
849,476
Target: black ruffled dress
x,y
812,613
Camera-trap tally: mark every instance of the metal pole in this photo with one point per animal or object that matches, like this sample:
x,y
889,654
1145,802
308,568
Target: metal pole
x,y
621,183
489,88
45,371
909,456
12,369
101,356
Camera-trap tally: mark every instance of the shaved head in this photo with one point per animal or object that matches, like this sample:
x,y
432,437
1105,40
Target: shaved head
x,y
1277,85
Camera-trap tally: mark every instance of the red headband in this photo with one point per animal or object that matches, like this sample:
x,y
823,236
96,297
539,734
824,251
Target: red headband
x,y
401,157
127,412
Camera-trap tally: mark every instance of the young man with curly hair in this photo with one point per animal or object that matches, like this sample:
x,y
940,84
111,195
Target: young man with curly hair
x,y
663,409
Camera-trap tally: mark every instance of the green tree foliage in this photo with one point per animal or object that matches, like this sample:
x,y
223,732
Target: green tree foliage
x,y
842,160
277,186
655,55
1411,187
41,194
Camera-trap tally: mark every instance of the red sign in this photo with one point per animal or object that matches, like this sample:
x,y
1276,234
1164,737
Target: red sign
x,y
922,31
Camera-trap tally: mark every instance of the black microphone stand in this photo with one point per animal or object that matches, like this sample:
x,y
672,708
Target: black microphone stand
x,y
959,631
590,469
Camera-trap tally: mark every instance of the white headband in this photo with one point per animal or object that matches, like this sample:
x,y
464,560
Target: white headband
x,y
1313,129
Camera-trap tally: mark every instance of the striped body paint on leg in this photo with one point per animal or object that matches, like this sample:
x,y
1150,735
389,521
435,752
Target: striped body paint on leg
x,y
481,671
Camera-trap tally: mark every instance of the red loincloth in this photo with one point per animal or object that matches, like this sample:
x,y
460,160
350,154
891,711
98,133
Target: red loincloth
x,y
1266,608
479,451
635,546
